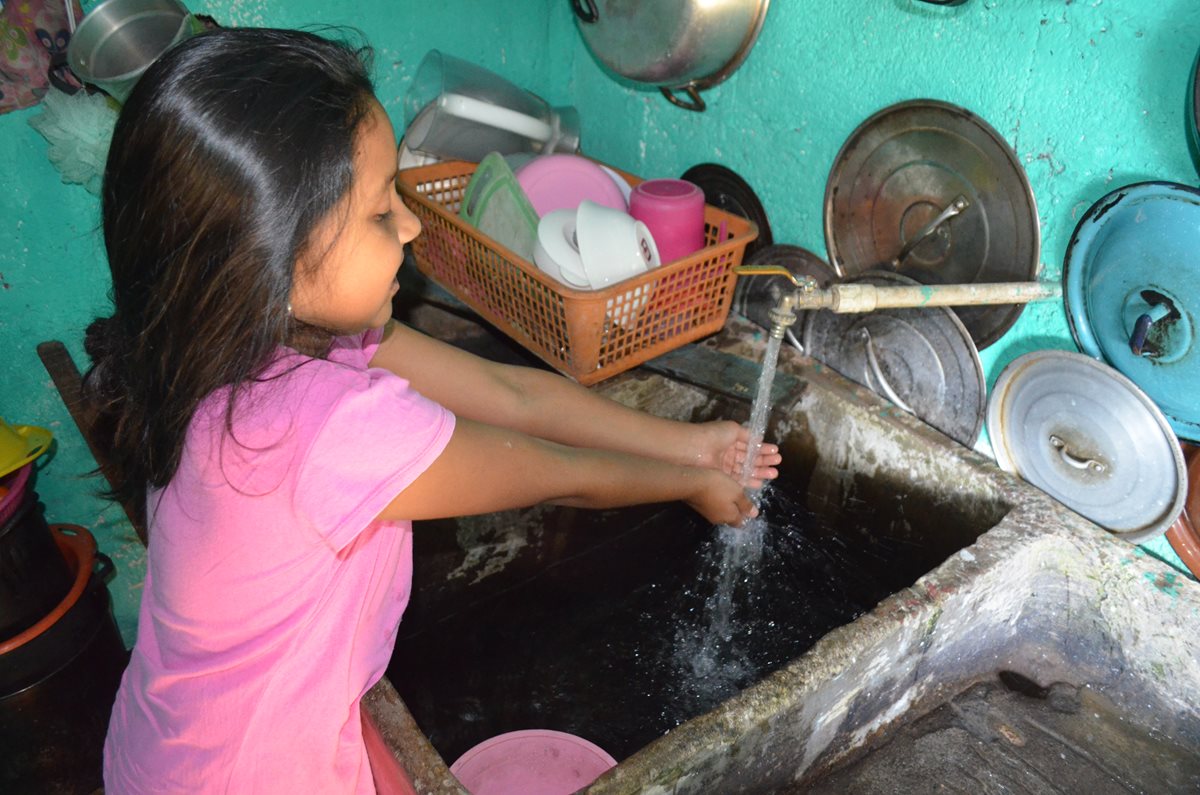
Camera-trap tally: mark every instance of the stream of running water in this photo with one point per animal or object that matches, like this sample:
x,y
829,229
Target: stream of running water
x,y
740,550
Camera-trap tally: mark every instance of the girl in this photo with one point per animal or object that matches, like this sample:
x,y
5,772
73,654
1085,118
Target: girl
x,y
283,432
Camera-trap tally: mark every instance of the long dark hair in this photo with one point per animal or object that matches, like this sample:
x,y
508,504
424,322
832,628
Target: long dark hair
x,y
229,150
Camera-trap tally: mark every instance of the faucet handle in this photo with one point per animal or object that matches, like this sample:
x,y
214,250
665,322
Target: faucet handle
x,y
805,283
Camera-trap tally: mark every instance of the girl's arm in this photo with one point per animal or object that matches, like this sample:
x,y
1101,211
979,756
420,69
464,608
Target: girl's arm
x,y
486,468
550,407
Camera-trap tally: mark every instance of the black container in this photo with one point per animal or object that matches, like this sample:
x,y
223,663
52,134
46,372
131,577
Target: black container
x,y
34,575
57,689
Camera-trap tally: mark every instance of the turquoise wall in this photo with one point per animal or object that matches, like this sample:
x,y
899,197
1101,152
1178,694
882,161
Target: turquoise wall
x,y
1090,94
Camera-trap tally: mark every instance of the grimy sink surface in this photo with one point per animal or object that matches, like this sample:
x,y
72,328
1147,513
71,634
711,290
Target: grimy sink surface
x,y
985,638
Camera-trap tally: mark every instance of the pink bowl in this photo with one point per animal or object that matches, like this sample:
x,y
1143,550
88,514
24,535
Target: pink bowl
x,y
531,762
562,181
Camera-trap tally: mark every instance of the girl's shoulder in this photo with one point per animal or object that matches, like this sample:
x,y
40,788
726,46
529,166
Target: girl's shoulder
x,y
322,419
291,388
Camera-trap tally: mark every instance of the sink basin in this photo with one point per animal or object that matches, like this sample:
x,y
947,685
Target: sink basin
x,y
914,610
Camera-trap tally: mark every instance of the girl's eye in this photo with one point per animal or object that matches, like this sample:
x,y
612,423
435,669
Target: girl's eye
x,y
382,217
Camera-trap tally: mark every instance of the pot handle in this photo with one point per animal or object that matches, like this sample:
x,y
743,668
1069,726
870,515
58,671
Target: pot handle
x,y
694,102
877,371
588,14
104,567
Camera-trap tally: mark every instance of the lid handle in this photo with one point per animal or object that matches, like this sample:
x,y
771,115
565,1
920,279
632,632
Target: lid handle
x,y
956,206
1073,460
877,371
1141,329
693,102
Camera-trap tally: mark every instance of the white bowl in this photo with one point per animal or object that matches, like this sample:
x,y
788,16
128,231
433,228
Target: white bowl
x,y
555,251
613,245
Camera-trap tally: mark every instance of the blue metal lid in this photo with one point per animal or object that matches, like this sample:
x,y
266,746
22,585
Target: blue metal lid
x,y
1130,274
1193,111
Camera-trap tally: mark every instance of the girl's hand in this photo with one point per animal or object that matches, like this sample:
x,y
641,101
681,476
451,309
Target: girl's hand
x,y
723,445
720,499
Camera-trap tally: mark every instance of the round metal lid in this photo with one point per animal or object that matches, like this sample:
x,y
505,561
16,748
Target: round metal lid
x,y
1086,435
1134,258
753,296
727,191
908,166
923,360
1193,111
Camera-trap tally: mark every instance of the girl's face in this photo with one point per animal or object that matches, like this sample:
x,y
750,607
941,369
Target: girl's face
x,y
347,277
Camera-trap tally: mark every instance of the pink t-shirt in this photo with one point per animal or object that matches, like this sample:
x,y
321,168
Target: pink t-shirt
x,y
272,596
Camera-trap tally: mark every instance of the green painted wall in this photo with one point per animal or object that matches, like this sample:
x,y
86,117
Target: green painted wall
x,y
1090,93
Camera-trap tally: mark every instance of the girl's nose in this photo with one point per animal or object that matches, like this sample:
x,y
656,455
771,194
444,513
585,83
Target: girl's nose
x,y
408,226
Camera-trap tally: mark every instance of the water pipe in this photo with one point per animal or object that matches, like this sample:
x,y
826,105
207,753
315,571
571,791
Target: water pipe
x,y
847,298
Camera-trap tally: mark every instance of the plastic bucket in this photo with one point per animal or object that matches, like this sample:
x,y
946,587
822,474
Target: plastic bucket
x,y
58,680
118,40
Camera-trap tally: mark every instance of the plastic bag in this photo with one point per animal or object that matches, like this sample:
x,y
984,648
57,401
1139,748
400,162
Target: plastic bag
x,y
34,35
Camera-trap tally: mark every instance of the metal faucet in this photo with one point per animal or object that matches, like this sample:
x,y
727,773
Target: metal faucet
x,y
783,315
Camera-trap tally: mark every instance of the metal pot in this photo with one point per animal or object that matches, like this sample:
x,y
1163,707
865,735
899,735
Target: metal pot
x,y
118,40
676,45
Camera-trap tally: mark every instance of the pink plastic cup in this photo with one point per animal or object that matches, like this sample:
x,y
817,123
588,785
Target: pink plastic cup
x,y
673,211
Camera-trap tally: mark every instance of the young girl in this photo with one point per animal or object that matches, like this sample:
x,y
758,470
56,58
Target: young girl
x,y
283,432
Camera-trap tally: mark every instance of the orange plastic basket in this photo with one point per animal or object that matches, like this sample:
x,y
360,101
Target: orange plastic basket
x,y
588,335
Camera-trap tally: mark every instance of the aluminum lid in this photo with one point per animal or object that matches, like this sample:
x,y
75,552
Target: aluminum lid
x,y
923,360
1134,254
1086,435
908,165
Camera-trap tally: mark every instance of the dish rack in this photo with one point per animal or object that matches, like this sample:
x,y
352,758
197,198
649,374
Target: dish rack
x,y
588,335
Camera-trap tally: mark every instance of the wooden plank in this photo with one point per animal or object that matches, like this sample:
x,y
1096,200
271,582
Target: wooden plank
x,y
69,383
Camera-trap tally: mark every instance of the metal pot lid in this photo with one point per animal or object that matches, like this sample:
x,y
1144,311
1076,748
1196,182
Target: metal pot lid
x,y
1135,257
1193,111
753,296
1086,435
923,360
904,168
727,191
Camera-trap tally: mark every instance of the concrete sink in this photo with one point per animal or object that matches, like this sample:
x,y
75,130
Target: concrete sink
x,y
1009,645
